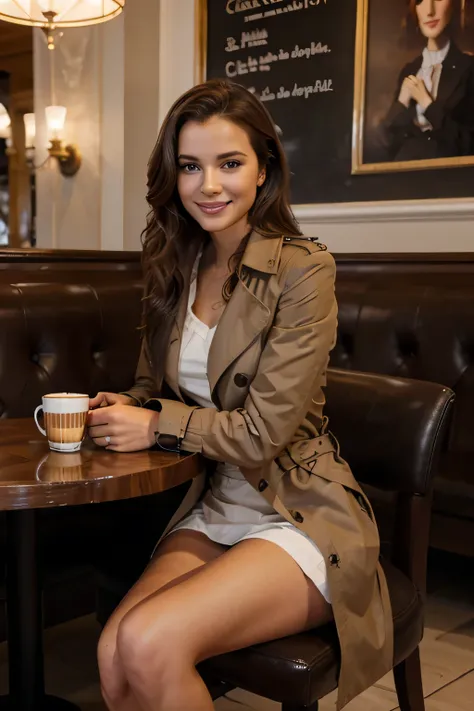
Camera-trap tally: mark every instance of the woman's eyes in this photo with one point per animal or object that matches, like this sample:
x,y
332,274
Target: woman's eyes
x,y
232,164
193,168
189,168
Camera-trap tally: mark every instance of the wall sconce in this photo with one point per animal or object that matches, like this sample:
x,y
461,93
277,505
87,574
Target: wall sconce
x,y
68,157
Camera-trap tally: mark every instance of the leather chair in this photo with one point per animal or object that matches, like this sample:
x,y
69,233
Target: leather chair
x,y
392,431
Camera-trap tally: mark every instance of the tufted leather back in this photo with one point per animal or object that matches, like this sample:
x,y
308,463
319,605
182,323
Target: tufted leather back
x,y
417,331
400,315
60,336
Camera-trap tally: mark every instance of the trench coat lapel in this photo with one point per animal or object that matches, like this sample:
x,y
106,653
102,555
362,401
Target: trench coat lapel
x,y
245,315
243,319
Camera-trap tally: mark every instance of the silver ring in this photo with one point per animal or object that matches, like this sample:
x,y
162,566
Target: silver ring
x,y
107,439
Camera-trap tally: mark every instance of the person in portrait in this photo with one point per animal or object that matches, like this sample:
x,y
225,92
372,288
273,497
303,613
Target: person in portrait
x,y
432,115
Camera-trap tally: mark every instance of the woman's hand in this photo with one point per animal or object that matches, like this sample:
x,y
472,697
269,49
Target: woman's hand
x,y
122,428
415,88
107,399
405,92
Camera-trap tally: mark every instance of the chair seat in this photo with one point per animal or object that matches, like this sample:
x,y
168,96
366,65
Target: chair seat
x,y
303,668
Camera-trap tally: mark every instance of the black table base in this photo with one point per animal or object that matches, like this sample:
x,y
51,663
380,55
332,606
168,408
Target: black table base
x,y
25,620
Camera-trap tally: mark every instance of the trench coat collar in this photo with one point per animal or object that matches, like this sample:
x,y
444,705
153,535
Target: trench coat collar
x,y
262,253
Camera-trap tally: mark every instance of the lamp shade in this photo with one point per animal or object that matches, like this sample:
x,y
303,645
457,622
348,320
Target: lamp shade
x,y
55,119
5,123
30,130
60,13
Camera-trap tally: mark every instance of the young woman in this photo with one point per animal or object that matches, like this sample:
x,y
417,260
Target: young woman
x,y
433,112
239,319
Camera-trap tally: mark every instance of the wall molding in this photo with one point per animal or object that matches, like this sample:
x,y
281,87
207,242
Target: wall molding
x,y
456,209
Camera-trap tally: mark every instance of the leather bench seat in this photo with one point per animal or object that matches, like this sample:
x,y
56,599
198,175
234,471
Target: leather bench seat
x,y
298,669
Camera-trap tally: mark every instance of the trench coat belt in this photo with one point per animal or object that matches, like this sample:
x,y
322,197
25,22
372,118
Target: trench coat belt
x,y
305,453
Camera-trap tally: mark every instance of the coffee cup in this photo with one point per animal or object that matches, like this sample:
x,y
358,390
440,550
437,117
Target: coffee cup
x,y
64,417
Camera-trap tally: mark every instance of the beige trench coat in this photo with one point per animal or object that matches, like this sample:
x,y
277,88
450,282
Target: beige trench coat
x,y
266,368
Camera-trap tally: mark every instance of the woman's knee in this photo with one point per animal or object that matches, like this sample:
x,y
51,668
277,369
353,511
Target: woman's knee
x,y
150,649
112,679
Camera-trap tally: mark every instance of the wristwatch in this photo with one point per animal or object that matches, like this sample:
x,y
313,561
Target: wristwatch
x,y
168,442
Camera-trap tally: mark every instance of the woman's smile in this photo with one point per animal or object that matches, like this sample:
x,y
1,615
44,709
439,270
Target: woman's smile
x,y
213,208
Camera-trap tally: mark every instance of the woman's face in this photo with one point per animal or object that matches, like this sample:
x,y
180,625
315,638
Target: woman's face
x,y
218,174
434,16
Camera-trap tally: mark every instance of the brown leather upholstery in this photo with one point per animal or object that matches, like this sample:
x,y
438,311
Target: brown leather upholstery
x,y
56,337
413,316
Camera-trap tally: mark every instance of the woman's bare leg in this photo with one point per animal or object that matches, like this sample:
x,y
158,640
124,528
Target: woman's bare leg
x,y
252,593
176,559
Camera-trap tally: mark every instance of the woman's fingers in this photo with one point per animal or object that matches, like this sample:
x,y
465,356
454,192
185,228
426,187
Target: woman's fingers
x,y
96,431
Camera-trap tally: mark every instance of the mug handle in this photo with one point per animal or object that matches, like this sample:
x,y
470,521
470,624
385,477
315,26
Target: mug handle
x,y
43,432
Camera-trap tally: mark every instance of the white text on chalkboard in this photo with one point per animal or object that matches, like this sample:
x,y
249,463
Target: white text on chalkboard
x,y
262,64
320,86
234,6
255,38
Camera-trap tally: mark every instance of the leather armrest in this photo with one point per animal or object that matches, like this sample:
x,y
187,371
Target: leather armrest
x,y
391,430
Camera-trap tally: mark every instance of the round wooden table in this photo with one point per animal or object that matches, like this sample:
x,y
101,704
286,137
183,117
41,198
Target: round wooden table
x,y
32,477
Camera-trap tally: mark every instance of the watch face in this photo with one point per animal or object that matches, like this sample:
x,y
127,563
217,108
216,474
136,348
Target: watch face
x,y
170,443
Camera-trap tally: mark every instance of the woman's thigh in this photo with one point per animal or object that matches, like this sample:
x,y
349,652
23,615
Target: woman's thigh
x,y
177,558
254,592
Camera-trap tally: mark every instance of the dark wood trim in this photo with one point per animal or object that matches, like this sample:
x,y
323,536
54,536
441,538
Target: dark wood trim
x,y
16,256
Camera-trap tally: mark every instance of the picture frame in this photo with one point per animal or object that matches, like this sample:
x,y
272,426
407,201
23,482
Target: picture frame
x,y
379,45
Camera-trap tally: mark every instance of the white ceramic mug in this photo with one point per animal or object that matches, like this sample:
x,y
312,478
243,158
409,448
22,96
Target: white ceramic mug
x,y
65,417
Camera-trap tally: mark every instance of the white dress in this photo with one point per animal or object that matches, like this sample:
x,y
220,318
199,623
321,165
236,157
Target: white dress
x,y
231,510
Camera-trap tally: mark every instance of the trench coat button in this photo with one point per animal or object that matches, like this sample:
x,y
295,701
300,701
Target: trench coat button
x,y
241,380
262,485
297,516
334,560
271,262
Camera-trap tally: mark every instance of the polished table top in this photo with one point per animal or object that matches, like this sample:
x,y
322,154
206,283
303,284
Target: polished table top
x,y
31,476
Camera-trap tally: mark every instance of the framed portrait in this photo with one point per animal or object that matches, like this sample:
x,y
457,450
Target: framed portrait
x,y
414,86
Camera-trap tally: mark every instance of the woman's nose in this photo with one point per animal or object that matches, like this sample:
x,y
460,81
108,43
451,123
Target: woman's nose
x,y
431,7
210,183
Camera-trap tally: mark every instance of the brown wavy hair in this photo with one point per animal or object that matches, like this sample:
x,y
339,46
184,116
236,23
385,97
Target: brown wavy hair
x,y
170,228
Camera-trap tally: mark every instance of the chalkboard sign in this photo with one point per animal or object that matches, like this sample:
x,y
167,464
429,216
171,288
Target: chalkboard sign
x,y
298,57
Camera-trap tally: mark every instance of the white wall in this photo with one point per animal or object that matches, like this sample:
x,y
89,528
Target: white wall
x,y
113,106
134,68
68,210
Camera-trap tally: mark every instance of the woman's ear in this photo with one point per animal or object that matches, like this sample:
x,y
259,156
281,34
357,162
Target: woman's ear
x,y
261,177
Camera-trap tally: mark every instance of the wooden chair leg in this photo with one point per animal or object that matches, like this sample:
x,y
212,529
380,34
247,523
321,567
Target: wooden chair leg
x,y
290,707
408,683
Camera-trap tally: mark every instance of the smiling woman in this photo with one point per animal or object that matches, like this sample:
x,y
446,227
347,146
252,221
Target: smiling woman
x,y
218,184
239,319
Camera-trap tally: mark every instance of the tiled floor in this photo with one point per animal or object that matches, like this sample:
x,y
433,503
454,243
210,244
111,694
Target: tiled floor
x,y
447,653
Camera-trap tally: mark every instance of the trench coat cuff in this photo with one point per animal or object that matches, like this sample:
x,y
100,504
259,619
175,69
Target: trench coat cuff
x,y
137,400
173,426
